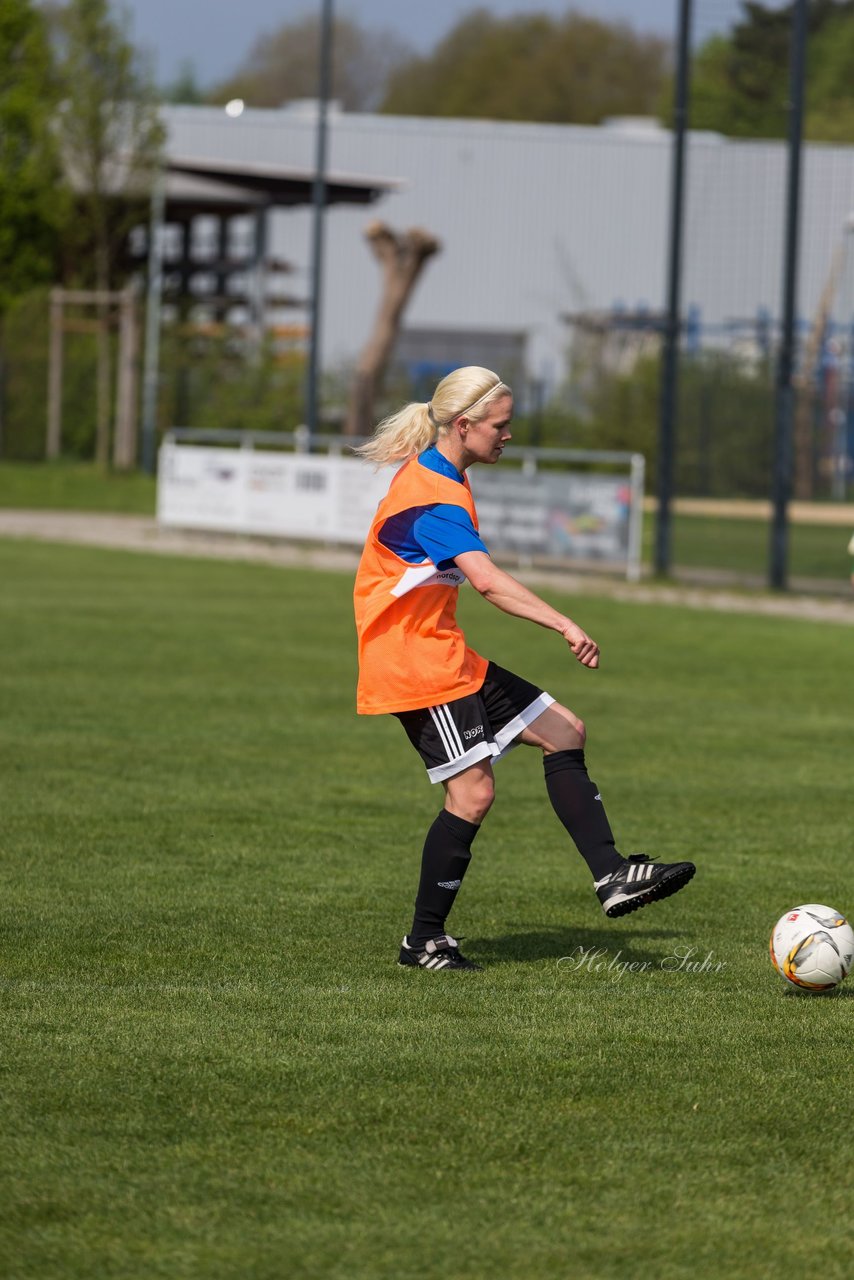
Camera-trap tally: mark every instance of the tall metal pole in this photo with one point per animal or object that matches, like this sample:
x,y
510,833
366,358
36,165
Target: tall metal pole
x,y
151,361
785,394
319,202
670,354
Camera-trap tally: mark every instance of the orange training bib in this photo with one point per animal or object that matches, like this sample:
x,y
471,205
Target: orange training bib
x,y
412,652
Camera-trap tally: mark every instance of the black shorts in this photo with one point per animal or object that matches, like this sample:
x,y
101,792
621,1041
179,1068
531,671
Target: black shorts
x,y
484,725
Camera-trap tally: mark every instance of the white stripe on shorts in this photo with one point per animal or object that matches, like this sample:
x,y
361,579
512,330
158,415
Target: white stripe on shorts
x,y
482,751
460,758
444,711
448,731
442,730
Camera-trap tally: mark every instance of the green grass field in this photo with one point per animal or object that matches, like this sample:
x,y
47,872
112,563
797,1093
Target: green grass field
x,y
212,1066
741,546
76,486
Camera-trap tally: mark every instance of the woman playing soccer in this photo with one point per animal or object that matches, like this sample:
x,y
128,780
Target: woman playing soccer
x,y
460,711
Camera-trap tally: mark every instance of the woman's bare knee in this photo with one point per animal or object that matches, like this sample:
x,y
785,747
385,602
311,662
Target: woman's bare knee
x,y
557,729
470,794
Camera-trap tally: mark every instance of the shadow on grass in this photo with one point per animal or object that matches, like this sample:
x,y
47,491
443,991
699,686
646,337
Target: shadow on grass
x,y
838,993
553,944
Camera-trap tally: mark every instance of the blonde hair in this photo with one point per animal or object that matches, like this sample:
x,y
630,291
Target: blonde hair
x,y
413,428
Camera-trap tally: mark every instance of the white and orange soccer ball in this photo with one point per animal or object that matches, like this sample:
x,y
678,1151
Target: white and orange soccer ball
x,y
812,947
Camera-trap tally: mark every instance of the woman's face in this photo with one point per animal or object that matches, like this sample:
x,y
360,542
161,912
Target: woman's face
x,y
484,441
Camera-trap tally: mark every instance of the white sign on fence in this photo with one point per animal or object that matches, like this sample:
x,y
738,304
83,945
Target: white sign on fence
x,y
280,495
562,516
556,514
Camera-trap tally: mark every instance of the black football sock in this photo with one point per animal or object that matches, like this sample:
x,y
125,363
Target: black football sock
x,y
576,801
444,862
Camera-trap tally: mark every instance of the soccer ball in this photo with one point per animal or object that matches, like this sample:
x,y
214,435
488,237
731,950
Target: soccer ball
x,y
812,947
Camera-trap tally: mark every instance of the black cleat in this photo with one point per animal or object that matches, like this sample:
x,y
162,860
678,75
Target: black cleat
x,y
438,953
639,882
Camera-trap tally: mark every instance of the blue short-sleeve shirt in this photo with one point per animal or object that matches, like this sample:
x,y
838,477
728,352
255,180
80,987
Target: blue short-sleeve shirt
x,y
438,532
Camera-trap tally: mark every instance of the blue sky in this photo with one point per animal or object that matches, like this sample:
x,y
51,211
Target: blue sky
x,y
215,35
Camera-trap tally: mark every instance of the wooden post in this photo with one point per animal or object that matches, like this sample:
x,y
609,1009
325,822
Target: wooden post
x,y
125,442
54,385
103,379
133,371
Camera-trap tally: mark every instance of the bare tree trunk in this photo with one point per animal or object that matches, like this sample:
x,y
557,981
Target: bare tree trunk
x,y
402,256
804,386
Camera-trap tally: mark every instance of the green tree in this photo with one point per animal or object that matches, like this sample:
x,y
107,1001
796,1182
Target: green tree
x,y
31,205
740,82
573,69
108,127
110,138
830,84
282,65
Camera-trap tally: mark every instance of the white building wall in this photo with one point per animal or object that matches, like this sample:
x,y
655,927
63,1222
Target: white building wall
x,y
540,220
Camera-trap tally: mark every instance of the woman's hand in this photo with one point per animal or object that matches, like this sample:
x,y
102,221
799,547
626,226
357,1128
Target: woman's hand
x,y
585,649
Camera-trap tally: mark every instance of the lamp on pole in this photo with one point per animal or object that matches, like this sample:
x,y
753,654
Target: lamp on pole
x,y
319,204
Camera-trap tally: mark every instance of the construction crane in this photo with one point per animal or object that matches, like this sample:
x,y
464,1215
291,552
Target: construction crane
x,y
810,358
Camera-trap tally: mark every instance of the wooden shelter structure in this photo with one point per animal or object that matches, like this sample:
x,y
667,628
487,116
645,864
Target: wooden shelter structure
x,y
209,278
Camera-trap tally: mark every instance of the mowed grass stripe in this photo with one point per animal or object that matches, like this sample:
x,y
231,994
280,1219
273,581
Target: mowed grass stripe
x,y
212,1066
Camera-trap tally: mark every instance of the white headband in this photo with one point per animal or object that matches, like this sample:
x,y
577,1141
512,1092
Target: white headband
x,y
480,400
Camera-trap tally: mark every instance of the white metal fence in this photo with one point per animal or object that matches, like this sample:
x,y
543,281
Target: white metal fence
x,y
564,507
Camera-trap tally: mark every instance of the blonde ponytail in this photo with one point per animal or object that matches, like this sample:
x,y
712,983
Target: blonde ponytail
x,y
469,390
398,437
